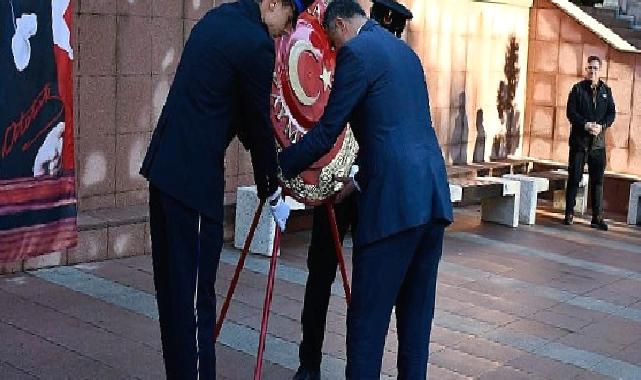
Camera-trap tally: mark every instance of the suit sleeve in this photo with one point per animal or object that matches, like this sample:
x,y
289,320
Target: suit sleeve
x,y
350,86
610,114
257,134
573,108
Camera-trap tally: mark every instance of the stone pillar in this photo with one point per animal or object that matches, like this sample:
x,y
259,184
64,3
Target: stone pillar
x,y
633,8
503,209
581,204
530,188
634,206
246,204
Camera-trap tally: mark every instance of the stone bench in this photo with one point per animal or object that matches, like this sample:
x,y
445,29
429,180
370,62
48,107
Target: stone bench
x,y
558,180
499,197
634,205
530,189
246,204
489,169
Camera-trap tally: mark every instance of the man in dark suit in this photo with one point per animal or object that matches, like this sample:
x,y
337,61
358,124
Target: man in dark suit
x,y
403,201
591,111
221,89
321,257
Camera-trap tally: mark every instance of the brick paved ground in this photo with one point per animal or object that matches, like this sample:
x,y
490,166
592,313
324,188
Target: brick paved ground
x,y
540,302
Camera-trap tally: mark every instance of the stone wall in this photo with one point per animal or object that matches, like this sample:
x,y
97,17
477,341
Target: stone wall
x,y
128,52
475,59
559,47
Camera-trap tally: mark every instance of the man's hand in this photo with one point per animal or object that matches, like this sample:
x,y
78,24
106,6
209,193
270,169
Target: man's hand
x,y
279,209
593,128
349,185
596,129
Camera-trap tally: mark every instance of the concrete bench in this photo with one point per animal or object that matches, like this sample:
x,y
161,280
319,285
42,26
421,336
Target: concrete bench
x,y
517,165
499,197
634,205
530,189
488,169
246,204
558,180
456,193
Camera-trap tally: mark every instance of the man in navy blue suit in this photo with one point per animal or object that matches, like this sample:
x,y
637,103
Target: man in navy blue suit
x,y
221,89
404,200
321,259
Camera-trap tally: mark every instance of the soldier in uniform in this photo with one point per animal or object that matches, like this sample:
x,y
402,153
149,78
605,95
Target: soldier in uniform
x,y
392,15
221,89
321,259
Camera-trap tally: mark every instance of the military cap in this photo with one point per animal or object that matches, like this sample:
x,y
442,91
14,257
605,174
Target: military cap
x,y
391,15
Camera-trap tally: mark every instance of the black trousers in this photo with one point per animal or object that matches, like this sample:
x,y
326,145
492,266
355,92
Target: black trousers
x,y
401,271
596,161
322,264
185,252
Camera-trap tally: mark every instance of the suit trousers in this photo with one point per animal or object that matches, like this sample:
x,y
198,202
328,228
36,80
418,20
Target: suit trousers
x,y
186,249
596,160
399,271
321,264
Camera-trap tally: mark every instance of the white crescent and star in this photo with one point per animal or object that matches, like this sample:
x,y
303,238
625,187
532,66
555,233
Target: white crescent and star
x,y
326,77
300,47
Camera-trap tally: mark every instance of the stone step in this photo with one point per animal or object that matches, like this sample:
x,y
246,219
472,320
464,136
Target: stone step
x,y
612,22
636,42
626,17
627,33
634,10
603,12
587,9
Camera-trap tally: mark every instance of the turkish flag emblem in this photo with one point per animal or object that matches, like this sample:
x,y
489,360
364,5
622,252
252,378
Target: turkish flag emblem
x,y
304,71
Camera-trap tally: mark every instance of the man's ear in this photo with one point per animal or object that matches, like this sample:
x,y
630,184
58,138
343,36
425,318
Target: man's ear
x,y
340,24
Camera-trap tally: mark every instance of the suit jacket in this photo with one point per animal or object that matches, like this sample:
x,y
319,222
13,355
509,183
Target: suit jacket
x,y
581,108
221,88
380,89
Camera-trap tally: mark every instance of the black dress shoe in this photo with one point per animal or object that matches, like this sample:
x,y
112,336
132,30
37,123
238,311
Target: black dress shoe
x,y
306,374
598,223
569,219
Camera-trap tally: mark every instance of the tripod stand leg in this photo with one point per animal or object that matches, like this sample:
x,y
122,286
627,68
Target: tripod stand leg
x,y
266,306
239,268
339,250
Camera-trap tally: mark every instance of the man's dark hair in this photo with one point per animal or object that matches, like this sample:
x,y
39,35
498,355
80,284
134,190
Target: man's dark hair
x,y
292,4
343,9
595,58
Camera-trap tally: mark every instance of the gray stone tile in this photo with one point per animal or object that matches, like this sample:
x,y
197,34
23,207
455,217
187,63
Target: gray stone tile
x,y
462,363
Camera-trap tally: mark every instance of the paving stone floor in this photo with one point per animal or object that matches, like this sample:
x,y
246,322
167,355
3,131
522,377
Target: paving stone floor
x,y
535,302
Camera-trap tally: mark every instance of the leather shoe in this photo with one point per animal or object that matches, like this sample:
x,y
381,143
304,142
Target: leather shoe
x,y
598,223
306,374
569,219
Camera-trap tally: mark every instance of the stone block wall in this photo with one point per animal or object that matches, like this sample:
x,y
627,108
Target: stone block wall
x,y
471,52
128,52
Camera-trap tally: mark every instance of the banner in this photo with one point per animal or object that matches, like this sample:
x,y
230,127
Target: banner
x,y
37,179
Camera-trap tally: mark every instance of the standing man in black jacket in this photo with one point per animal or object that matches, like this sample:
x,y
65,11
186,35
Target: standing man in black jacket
x,y
591,111
221,89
